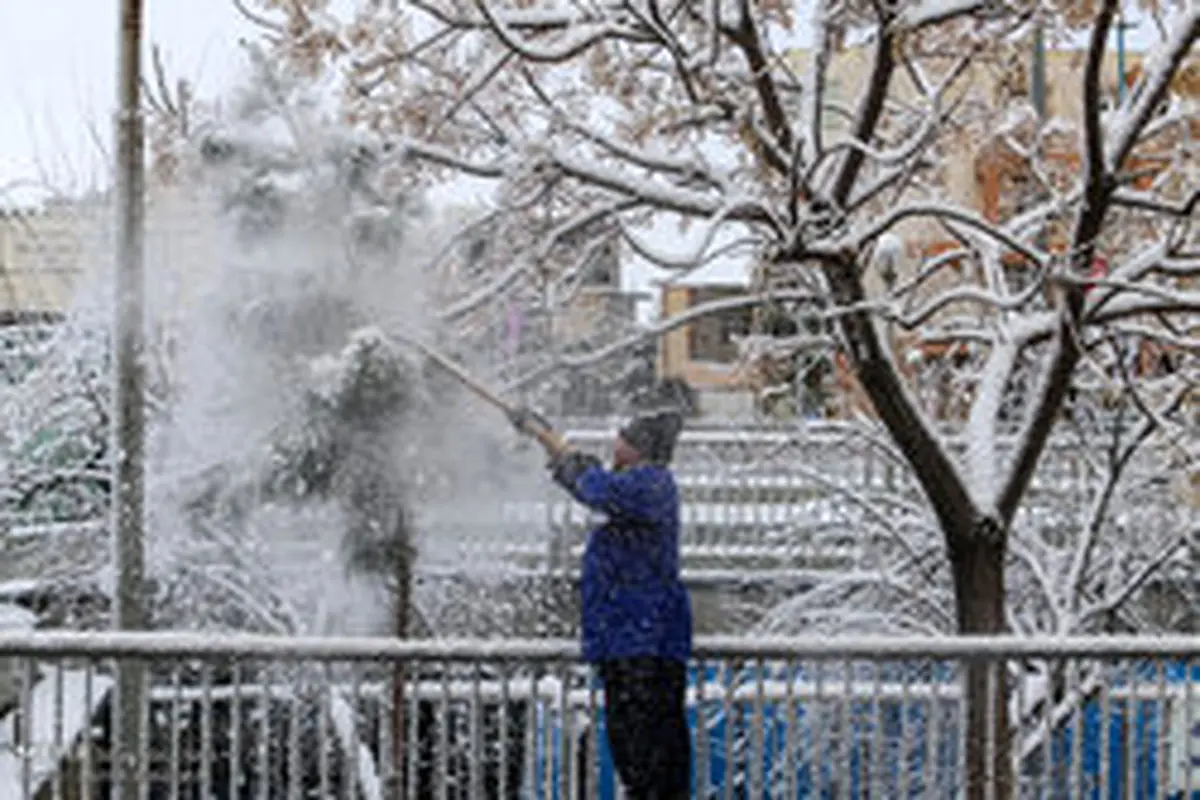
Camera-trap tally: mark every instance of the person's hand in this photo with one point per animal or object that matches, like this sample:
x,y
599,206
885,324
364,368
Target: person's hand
x,y
525,420
567,468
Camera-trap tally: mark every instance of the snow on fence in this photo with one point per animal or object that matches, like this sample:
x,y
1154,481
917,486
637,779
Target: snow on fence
x,y
853,451
266,717
811,534
784,504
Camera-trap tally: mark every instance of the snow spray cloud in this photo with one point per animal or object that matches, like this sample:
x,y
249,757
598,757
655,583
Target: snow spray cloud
x,y
312,435
295,450
298,451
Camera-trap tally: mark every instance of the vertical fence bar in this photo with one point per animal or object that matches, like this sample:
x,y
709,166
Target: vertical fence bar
x,y
143,738
442,761
476,753
352,746
324,714
757,748
235,729
1191,748
592,755
791,734
549,734
87,757
728,686
174,734
26,748
566,737
1074,695
932,748
1021,706
1105,702
819,730
1129,729
703,752
266,776
876,761
413,756
845,729
991,746
1162,723
206,730
293,693
503,757
1047,716
961,716
903,751
58,735
387,743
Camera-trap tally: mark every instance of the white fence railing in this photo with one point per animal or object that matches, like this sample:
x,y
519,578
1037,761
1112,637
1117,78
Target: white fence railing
x,y
741,484
267,717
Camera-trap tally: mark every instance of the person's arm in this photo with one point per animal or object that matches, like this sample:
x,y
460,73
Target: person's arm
x,y
530,423
624,494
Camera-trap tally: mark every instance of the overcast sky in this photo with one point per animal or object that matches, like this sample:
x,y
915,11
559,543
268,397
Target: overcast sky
x,y
57,82
57,78
58,61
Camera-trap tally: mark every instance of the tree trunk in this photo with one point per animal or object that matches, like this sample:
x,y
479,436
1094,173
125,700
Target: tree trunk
x,y
978,565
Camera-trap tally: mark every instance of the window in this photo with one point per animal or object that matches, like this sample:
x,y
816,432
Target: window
x,y
713,337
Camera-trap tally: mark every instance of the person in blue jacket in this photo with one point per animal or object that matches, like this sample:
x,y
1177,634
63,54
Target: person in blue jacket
x,y
636,614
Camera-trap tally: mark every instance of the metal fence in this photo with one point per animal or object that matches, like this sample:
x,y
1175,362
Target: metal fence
x,y
265,717
792,503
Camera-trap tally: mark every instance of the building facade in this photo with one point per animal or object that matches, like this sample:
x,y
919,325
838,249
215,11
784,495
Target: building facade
x,y
982,169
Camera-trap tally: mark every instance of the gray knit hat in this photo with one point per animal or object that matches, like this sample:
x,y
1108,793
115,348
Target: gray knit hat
x,y
654,435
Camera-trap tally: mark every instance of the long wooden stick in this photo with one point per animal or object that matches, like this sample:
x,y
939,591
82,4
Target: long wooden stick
x,y
553,443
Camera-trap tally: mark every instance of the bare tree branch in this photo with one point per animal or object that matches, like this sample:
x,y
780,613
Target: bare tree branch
x,y
1052,387
1145,202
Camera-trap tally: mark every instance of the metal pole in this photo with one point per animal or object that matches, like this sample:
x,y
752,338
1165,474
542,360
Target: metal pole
x,y
1121,25
128,435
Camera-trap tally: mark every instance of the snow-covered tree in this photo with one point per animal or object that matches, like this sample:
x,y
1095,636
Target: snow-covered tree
x,y
633,112
297,448
325,425
55,443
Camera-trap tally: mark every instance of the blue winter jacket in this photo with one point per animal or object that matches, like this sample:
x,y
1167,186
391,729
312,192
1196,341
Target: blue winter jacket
x,y
634,602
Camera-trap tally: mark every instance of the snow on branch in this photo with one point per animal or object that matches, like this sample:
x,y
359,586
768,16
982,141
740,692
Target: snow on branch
x,y
577,38
982,453
1098,188
696,257
957,215
531,20
935,12
1147,201
664,196
610,119
652,332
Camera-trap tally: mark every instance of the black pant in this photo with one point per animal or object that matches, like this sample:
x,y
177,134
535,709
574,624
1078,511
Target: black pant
x,y
647,726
